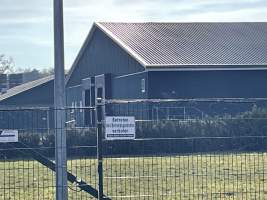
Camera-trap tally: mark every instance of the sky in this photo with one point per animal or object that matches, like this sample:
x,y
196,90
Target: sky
x,y
26,26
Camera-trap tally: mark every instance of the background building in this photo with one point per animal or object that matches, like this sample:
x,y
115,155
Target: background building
x,y
170,61
3,83
28,106
8,81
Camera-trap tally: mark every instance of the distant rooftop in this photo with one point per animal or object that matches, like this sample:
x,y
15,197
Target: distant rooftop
x,y
24,87
174,44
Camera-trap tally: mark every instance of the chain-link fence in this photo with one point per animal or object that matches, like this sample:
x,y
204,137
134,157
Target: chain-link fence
x,y
27,167
182,150
206,149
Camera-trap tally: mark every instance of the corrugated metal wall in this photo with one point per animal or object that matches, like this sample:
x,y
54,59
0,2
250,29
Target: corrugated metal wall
x,y
102,56
42,95
130,86
208,84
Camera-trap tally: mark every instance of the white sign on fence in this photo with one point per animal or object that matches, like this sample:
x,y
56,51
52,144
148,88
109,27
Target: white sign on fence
x,y
8,136
119,128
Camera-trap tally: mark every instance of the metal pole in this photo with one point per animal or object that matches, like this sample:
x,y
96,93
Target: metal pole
x,y
59,104
99,113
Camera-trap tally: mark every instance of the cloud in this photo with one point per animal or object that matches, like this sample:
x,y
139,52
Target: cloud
x,y
28,24
14,12
247,15
147,10
80,15
26,21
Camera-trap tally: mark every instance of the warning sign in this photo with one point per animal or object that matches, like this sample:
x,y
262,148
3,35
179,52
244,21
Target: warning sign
x,y
8,136
119,128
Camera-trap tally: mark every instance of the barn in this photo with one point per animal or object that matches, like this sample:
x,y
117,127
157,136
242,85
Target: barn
x,y
169,61
28,106
37,93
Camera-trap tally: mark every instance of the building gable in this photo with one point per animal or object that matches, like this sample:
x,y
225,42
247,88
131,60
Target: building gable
x,y
158,44
101,55
125,48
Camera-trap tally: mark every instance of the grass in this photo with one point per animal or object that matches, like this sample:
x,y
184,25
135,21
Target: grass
x,y
198,176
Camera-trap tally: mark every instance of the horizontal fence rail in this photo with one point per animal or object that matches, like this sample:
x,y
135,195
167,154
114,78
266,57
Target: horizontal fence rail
x,y
182,150
27,167
197,149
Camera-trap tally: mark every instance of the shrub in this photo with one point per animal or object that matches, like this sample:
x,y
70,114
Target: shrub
x,y
209,134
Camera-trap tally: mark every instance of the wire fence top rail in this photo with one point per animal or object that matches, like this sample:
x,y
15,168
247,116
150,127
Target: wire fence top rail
x,y
233,100
201,157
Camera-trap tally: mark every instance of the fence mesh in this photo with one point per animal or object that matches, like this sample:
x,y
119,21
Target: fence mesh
x,y
189,150
182,150
27,167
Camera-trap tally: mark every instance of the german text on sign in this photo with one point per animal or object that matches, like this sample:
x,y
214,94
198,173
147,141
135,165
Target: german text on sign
x,y
119,128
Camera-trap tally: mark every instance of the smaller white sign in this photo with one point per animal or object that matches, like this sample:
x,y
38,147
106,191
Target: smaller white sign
x,y
8,136
119,128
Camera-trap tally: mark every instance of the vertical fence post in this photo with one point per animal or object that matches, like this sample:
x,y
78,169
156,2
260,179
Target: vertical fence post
x,y
59,104
99,116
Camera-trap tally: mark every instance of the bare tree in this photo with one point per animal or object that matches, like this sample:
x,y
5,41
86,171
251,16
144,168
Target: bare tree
x,y
6,64
46,72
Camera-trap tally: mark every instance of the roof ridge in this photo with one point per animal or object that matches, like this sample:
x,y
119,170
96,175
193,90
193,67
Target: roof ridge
x,y
185,22
163,44
122,44
235,42
25,86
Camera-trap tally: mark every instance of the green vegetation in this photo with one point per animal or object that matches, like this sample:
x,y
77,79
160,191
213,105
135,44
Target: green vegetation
x,y
251,123
203,176
183,173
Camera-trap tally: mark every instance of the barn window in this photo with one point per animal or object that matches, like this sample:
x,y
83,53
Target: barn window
x,y
143,85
